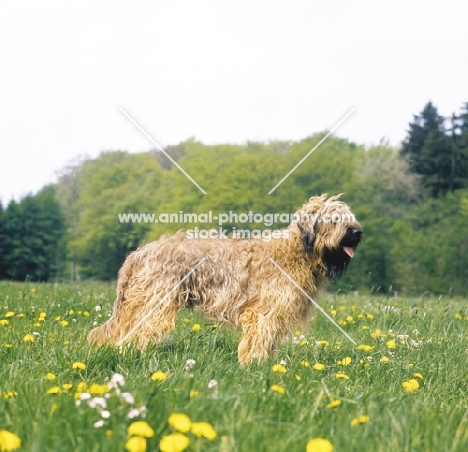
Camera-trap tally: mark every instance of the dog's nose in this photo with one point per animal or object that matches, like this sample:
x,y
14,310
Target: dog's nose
x,y
356,231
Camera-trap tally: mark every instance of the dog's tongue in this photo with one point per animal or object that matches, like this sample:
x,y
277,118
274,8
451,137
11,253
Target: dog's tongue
x,y
349,251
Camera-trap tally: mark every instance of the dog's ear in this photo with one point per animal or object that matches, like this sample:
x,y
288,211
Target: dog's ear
x,y
308,236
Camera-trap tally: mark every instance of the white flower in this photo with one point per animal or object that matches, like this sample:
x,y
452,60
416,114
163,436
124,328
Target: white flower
x,y
105,414
85,396
127,397
98,424
133,413
415,332
98,308
189,364
35,333
212,384
117,380
97,402
283,362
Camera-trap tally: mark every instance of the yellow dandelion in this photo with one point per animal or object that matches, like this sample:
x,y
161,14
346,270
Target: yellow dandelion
x,y
458,316
334,404
158,376
194,394
342,322
180,422
366,348
98,389
345,362
4,322
186,320
50,376
305,363
279,389
20,315
391,344
384,359
324,343
175,442
109,433
140,428
319,445
411,385
203,429
9,314
297,377
362,419
136,444
333,312
342,376
278,368
196,327
54,390
377,334
67,386
71,312
8,345
29,338
86,314
369,316
418,375
365,327
318,366
79,365
9,441
64,323
53,408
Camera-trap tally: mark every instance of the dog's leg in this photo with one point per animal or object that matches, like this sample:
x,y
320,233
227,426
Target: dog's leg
x,y
260,337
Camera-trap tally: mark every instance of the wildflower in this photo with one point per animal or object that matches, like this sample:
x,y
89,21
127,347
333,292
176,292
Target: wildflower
x,y
158,376
136,444
203,429
105,414
369,316
342,376
418,375
97,402
9,314
196,327
305,363
53,408
278,389
109,433
97,308
297,377
180,422
279,368
67,386
384,359
319,445
411,385
64,323
333,312
98,424
194,394
140,428
345,362
324,343
50,376
318,366
29,338
85,314
4,322
334,404
365,327
175,442
377,334
362,419
342,322
117,380
458,316
54,390
79,365
189,364
391,344
212,384
366,348
96,388
127,397
9,441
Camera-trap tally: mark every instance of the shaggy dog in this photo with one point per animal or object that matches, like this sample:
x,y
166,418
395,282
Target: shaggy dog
x,y
234,280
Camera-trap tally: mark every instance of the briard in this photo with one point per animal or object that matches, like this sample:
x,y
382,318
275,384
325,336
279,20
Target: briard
x,y
234,280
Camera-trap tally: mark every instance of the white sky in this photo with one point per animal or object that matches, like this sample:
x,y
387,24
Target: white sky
x,y
221,71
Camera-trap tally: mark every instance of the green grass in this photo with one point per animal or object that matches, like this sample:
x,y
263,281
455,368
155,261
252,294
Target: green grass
x,y
245,412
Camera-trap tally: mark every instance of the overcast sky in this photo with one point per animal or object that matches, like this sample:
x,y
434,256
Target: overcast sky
x,y
218,71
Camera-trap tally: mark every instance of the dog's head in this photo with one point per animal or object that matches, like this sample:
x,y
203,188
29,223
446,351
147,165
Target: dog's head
x,y
330,232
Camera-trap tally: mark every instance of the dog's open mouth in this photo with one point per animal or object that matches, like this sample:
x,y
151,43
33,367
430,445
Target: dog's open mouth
x,y
349,251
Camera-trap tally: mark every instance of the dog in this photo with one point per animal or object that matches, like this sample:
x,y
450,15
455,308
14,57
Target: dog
x,y
234,280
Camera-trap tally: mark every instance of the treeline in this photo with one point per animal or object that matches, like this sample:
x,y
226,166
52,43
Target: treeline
x,y
412,202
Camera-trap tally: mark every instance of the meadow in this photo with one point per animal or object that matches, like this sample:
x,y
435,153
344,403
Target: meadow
x,y
402,388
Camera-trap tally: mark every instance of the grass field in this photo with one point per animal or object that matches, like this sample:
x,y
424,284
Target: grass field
x,y
404,388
